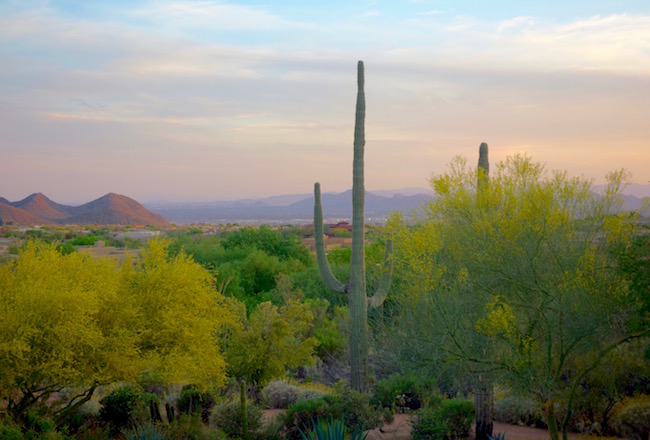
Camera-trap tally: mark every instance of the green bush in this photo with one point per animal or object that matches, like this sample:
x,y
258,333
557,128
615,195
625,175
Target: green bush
x,y
399,391
632,418
119,408
9,430
192,401
301,414
146,431
428,425
191,427
518,410
355,409
458,414
227,417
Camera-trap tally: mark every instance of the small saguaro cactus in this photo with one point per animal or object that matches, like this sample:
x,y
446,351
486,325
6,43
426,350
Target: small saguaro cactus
x,y
356,287
484,386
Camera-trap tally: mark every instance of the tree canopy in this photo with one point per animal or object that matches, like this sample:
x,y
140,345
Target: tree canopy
x,y
517,280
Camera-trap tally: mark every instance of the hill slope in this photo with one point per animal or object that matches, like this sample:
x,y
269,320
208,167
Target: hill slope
x,y
111,209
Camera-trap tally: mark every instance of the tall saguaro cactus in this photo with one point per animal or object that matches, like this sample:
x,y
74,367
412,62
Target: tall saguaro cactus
x,y
484,388
356,287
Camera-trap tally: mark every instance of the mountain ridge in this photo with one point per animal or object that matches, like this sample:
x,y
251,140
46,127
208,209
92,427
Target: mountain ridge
x,y
111,208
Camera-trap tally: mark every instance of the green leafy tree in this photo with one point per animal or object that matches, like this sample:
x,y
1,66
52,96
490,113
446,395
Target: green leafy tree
x,y
260,347
518,280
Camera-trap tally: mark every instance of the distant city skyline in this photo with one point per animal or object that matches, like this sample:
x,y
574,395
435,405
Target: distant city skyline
x,y
210,100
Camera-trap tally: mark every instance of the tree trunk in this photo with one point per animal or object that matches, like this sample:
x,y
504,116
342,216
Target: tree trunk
x,y
551,421
244,415
484,408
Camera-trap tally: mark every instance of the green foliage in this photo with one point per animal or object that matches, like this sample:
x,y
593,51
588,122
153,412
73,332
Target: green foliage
x,y
328,429
85,240
398,391
458,414
193,401
332,429
145,431
451,420
498,436
632,418
301,415
262,345
518,410
120,408
9,430
72,321
191,427
227,417
428,425
355,409
517,279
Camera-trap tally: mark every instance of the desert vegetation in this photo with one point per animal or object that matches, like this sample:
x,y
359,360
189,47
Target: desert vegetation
x,y
517,294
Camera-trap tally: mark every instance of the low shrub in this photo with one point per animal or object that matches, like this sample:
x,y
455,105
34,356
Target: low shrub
x,y
227,417
355,409
193,401
518,410
191,427
428,425
301,414
631,418
458,414
145,431
279,394
9,430
399,391
120,408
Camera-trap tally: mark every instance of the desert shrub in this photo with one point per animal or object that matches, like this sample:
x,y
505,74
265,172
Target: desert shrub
x,y
9,430
191,427
330,429
355,409
227,417
280,394
518,410
428,425
145,431
193,401
458,414
399,391
632,418
301,414
120,408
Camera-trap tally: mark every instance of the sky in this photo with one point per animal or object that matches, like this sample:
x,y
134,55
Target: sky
x,y
217,100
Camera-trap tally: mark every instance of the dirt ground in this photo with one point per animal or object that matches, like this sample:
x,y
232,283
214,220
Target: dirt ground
x,y
400,429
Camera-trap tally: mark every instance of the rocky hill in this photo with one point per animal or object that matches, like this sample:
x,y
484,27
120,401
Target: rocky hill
x,y
111,209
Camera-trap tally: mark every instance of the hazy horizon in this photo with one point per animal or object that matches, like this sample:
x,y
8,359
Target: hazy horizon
x,y
205,100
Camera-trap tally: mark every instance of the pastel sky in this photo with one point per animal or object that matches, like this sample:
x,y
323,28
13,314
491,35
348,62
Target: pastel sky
x,y
212,100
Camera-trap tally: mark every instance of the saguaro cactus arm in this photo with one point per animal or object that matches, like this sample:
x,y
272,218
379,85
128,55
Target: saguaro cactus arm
x,y
323,267
381,293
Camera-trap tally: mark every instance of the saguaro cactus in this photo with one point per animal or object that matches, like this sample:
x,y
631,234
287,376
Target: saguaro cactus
x,y
356,287
484,387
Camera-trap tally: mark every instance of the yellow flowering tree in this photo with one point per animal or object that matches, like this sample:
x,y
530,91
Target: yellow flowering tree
x,y
70,321
517,280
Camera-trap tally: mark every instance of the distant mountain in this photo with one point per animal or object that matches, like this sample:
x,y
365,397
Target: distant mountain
x,y
39,205
296,208
18,216
111,209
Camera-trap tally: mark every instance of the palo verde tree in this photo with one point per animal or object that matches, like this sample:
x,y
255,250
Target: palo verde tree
x,y
260,347
356,287
70,321
518,280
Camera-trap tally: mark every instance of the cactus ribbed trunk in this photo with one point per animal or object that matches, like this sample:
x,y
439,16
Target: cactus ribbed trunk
x,y
358,301
356,288
484,387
